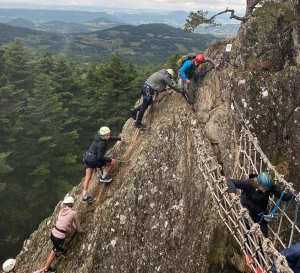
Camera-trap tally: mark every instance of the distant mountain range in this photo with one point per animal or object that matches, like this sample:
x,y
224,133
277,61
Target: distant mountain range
x,y
42,15
66,27
74,21
146,43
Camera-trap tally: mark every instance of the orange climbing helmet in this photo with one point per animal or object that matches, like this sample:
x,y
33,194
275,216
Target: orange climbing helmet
x,y
199,59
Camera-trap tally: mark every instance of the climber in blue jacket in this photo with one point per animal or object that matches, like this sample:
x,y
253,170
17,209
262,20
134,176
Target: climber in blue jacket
x,y
186,75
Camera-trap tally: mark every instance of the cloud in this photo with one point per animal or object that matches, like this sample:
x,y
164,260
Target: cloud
x,y
212,5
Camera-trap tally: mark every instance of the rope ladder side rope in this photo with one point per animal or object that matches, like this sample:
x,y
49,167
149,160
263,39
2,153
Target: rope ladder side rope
x,y
252,242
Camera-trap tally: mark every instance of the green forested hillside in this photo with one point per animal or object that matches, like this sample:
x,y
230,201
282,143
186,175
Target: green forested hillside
x,y
21,22
50,111
65,27
143,44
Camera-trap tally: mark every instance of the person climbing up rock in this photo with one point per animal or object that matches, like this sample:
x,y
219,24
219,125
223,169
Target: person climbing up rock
x,y
157,82
67,218
187,75
255,197
10,266
94,158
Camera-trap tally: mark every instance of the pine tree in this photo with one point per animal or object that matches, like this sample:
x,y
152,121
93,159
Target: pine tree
x,y
15,83
2,68
45,64
51,149
172,63
14,98
18,69
112,92
69,88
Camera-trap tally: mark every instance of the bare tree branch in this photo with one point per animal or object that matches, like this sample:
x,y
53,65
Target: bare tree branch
x,y
199,17
232,16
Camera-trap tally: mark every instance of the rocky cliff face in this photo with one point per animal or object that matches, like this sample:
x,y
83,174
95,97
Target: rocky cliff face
x,y
157,214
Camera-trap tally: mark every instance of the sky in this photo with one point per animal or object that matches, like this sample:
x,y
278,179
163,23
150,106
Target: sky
x,y
188,5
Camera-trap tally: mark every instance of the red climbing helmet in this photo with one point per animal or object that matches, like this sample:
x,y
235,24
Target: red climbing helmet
x,y
199,59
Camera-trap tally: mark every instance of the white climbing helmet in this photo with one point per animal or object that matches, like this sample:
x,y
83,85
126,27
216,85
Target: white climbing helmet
x,y
104,130
170,72
9,265
68,200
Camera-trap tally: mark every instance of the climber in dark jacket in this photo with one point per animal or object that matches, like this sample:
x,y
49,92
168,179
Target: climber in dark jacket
x,y
157,82
292,255
94,158
256,196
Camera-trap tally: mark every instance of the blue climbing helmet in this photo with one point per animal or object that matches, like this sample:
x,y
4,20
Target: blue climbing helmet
x,y
265,180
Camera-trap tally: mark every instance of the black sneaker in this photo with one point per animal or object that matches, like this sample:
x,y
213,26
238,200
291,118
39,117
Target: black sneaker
x,y
140,126
133,115
192,107
88,199
61,250
50,270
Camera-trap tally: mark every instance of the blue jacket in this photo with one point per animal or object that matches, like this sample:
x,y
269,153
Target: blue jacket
x,y
292,255
188,67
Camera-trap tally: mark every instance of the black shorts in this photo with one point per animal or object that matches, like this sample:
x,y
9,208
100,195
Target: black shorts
x,y
94,164
57,243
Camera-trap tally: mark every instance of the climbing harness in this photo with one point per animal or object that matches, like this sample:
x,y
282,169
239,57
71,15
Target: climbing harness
x,y
273,214
148,92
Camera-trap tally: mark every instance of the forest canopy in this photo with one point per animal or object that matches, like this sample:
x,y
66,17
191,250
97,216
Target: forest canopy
x,y
50,111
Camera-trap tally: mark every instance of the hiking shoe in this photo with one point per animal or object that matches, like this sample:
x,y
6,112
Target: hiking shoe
x,y
249,260
140,126
61,251
192,107
258,269
50,270
105,179
88,199
133,115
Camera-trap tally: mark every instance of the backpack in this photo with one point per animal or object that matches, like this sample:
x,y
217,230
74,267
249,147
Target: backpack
x,y
183,58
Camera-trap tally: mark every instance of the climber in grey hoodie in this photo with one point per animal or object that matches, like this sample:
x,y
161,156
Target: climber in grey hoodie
x,y
67,218
157,82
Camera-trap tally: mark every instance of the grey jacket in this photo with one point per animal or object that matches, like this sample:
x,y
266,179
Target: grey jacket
x,y
158,81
